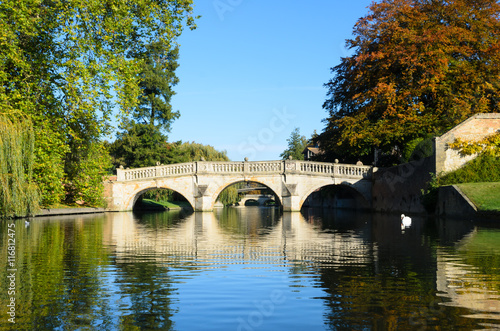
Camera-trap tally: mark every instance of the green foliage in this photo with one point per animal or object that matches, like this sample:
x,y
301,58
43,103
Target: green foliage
x,y
484,168
19,195
296,145
48,170
418,68
141,145
417,149
191,151
410,147
86,181
159,195
229,196
157,79
69,86
430,194
488,145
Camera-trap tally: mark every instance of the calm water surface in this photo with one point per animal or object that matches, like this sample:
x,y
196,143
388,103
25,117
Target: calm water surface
x,y
251,269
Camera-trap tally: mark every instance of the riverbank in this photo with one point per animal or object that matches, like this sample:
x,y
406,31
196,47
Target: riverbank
x,y
485,196
69,211
148,204
469,200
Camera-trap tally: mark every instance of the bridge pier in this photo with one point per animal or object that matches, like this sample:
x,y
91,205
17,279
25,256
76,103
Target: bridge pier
x,y
202,203
291,203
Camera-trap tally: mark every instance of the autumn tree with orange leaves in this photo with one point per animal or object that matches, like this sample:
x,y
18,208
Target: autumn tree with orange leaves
x,y
418,68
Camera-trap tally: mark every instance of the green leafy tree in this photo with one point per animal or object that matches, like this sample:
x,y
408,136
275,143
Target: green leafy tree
x,y
296,145
142,142
142,145
69,86
19,195
157,80
418,68
192,151
230,196
87,177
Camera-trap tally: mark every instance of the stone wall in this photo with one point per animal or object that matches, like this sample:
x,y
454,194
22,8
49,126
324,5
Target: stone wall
x,y
399,189
453,203
475,128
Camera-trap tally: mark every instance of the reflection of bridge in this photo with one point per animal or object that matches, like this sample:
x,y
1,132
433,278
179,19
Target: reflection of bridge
x,y
201,182
259,199
200,237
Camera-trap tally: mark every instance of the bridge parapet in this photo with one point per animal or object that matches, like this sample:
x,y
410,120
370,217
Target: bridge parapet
x,y
335,169
256,167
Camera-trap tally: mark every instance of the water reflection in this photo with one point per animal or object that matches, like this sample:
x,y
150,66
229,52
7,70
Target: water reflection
x,y
468,274
253,268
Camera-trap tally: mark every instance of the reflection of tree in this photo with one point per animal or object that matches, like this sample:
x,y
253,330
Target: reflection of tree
x,y
394,289
145,283
469,275
83,259
483,252
162,219
149,288
252,221
59,270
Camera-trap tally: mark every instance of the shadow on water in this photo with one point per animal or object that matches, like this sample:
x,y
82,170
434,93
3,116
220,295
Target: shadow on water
x,y
163,218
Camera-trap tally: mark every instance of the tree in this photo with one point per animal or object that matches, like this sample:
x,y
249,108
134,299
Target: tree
x,y
142,145
230,196
19,195
157,79
192,151
296,145
419,67
69,86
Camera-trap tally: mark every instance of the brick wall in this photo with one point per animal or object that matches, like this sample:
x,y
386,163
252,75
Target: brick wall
x,y
475,128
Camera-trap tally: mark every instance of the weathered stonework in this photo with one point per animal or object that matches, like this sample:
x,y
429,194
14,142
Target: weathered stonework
x,y
475,128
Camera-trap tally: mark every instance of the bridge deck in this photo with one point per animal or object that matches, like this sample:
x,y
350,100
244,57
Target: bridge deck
x,y
247,168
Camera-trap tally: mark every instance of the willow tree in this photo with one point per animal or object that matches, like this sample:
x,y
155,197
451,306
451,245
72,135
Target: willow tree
x,y
66,65
19,195
418,68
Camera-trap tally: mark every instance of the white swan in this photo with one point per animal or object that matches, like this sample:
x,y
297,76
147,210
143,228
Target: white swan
x,y
405,221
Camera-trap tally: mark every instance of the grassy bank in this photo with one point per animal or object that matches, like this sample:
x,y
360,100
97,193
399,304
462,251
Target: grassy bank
x,y
486,196
164,205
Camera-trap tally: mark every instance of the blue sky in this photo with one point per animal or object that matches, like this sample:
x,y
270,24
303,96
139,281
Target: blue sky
x,y
254,70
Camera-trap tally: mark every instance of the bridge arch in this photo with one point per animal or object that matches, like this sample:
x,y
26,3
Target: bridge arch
x,y
130,191
360,197
233,181
252,202
138,194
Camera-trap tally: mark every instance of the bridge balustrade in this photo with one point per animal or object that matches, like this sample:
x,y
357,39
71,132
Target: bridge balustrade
x,y
228,167
257,167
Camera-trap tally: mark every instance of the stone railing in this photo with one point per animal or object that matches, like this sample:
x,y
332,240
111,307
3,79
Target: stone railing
x,y
170,170
258,167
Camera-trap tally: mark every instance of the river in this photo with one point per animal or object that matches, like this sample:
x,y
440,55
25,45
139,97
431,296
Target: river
x,y
249,269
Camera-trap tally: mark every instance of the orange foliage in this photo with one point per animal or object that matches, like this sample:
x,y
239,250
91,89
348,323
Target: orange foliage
x,y
419,67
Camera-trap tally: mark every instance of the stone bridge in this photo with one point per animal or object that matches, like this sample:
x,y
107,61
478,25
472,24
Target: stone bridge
x,y
260,199
201,182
